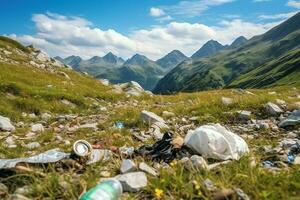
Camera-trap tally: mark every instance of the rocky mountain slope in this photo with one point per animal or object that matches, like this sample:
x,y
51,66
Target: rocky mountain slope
x,y
95,65
231,65
46,108
208,49
138,68
171,60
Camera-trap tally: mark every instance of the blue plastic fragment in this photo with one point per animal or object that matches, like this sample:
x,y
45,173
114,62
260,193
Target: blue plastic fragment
x,y
268,164
291,158
119,125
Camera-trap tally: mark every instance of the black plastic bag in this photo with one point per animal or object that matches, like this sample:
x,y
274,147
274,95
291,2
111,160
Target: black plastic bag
x,y
163,150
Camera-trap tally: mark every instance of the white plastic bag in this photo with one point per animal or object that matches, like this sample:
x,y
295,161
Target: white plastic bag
x,y
215,141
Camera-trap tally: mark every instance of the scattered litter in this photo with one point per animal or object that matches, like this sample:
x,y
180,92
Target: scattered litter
x,y
163,150
215,141
50,156
119,125
107,190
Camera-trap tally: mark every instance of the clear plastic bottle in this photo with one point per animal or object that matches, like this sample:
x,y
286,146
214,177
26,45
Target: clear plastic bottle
x,y
106,190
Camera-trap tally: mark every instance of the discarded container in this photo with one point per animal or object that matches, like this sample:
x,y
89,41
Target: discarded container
x,y
51,156
215,141
82,148
106,190
119,125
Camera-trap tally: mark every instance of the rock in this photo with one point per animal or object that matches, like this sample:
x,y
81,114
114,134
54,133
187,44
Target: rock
x,y
264,126
273,109
32,116
281,103
198,162
150,117
132,88
89,126
17,197
42,57
37,128
64,74
168,114
227,101
68,103
32,145
292,120
244,115
127,166
241,195
46,116
133,182
104,82
20,124
297,160
5,124
146,168
209,185
22,190
3,190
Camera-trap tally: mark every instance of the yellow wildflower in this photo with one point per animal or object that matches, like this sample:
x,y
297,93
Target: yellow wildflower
x,y
158,193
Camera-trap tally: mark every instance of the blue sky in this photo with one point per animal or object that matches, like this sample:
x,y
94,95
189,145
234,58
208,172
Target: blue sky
x,y
126,27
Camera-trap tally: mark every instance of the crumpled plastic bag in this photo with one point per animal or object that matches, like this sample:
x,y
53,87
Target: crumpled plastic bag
x,y
164,150
51,156
215,141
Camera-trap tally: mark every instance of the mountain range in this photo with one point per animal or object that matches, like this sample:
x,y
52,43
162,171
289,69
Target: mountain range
x,y
270,59
257,62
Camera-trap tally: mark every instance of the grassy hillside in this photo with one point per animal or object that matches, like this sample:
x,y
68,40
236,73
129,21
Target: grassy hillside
x,y
282,71
226,67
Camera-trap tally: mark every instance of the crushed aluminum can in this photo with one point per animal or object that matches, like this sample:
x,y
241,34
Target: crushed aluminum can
x,y
81,150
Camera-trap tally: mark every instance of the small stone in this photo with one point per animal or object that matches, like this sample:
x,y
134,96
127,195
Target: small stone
x,y
146,168
244,115
292,120
33,145
273,109
198,162
5,124
297,160
17,197
150,117
20,124
133,182
32,116
3,190
89,126
37,128
46,116
241,195
127,166
105,174
227,101
209,185
22,190
168,114
264,126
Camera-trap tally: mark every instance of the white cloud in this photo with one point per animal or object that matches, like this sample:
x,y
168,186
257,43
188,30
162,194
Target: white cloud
x,y
156,12
294,3
64,36
281,16
191,8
